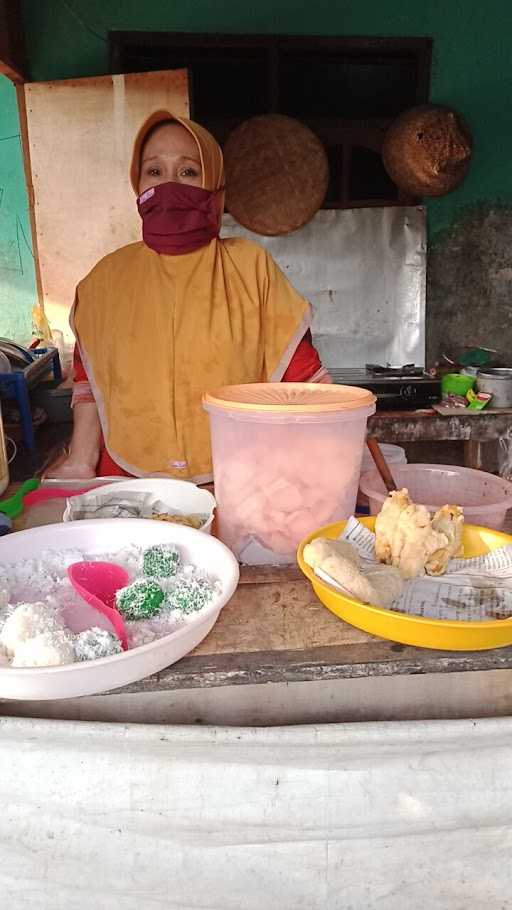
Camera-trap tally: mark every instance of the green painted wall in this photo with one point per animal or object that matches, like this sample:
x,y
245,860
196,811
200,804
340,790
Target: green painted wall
x,y
471,69
17,276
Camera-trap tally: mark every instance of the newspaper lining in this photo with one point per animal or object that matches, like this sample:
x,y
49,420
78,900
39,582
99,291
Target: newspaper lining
x,y
135,504
477,589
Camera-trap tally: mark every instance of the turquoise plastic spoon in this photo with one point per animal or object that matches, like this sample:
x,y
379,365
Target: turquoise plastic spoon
x,y
13,506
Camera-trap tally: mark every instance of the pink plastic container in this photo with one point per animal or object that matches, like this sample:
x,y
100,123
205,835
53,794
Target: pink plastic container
x,y
286,460
484,497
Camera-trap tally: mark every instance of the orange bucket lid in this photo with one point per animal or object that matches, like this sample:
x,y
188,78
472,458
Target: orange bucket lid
x,y
289,397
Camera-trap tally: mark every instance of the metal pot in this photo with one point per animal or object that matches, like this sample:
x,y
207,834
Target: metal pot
x,y
498,383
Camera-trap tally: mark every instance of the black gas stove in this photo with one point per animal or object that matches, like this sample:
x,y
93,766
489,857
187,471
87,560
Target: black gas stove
x,y
406,388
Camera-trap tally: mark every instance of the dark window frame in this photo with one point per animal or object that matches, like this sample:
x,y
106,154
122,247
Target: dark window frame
x,y
366,132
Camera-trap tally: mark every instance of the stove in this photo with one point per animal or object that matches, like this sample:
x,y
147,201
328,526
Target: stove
x,y
406,388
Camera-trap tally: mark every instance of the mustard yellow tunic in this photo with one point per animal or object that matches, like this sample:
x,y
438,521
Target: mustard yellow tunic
x,y
155,332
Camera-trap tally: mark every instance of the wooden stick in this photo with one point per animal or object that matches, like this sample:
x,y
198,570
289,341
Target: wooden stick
x,y
381,464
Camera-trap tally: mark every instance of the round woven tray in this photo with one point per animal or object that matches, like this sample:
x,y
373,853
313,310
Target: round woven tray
x,y
276,174
427,150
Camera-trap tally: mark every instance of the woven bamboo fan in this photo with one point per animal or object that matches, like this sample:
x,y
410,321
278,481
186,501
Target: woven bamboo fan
x,y
276,174
427,150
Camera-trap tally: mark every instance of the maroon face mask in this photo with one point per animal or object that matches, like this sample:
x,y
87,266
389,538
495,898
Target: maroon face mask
x,y
178,218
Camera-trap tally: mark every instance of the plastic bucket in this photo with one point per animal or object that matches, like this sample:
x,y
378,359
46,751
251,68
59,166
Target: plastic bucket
x,y
286,459
484,497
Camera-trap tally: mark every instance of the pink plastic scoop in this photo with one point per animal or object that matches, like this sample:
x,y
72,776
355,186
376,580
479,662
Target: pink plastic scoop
x,y
97,583
45,493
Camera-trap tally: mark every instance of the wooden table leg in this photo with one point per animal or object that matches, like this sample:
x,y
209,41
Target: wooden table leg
x,y
473,454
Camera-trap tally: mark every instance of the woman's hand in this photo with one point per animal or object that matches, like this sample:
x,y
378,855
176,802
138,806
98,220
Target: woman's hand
x,y
69,467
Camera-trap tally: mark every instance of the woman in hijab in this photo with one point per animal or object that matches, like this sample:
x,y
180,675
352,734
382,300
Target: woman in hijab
x,y
159,322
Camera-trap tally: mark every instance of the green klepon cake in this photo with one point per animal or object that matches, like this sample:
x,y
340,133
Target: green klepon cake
x,y
161,561
190,594
140,600
94,643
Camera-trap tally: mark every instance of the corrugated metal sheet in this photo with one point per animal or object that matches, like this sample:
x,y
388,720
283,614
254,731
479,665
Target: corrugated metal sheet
x,y
364,272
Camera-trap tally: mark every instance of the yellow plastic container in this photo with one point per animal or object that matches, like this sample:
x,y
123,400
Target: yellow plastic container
x,y
445,635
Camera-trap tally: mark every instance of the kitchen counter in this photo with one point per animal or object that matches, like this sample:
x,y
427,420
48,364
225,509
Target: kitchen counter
x,y
472,428
398,427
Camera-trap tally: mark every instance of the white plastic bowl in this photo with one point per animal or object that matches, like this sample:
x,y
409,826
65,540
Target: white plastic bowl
x,y
181,495
392,454
99,536
484,497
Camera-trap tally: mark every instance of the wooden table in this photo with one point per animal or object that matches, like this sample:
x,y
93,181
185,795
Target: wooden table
x,y
277,656
472,429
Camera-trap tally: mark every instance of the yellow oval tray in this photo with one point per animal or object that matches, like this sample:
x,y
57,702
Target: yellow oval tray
x,y
445,635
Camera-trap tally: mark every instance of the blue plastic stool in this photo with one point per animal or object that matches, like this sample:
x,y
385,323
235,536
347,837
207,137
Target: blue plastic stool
x,y
15,386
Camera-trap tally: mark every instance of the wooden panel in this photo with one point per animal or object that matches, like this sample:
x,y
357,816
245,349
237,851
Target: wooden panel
x,y
80,135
